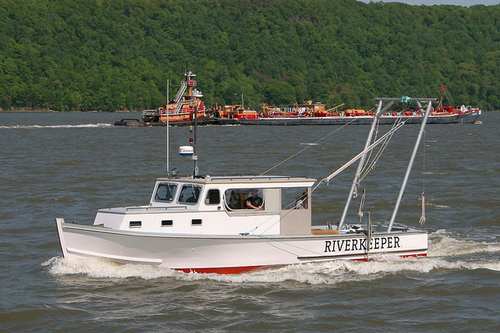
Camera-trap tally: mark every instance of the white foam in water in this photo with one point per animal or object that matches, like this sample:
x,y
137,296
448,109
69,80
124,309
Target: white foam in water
x,y
445,252
435,205
102,268
443,244
57,126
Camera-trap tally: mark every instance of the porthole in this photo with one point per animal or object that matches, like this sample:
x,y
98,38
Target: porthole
x,y
167,223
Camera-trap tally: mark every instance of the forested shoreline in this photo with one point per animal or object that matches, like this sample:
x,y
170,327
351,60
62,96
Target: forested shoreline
x,y
82,55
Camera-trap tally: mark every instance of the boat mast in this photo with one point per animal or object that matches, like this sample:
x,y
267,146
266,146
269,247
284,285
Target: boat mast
x,y
379,112
168,133
195,157
415,149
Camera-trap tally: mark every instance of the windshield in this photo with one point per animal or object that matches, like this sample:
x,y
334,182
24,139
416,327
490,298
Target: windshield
x,y
190,194
165,192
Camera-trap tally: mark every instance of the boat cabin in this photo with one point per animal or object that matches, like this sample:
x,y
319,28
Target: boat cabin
x,y
220,205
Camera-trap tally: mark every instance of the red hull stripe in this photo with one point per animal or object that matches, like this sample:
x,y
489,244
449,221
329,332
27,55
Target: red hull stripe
x,y
220,270
239,270
403,256
415,255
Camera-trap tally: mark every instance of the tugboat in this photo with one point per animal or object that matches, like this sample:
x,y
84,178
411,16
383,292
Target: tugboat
x,y
183,110
186,106
234,224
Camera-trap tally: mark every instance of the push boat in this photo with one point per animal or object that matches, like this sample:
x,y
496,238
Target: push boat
x,y
204,223
183,110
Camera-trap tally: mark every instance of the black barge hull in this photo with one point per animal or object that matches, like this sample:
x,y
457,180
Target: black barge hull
x,y
468,118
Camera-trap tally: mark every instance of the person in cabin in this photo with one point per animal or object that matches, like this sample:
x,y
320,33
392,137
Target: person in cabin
x,y
254,201
234,200
195,195
301,202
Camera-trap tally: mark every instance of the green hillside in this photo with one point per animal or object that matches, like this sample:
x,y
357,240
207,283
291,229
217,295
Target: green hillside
x,y
117,55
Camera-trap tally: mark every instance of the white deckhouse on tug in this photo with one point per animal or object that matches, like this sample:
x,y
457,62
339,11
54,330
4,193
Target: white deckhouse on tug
x,y
205,224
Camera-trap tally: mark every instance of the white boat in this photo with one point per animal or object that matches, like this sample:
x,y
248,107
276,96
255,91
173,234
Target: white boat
x,y
204,223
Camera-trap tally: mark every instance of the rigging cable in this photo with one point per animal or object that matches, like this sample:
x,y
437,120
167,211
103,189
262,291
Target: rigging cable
x,y
357,157
370,166
358,176
371,151
309,146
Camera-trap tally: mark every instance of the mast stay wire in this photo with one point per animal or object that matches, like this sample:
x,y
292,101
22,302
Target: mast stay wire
x,y
355,189
357,157
370,164
309,146
371,151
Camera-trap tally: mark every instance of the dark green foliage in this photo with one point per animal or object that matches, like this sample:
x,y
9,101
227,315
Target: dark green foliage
x,y
118,54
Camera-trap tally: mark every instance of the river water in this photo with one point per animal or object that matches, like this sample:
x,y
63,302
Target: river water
x,y
71,164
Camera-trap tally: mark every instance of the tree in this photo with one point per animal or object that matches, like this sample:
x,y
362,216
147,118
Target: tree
x,y
279,93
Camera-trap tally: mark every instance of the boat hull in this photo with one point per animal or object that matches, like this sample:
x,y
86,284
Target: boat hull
x,y
230,254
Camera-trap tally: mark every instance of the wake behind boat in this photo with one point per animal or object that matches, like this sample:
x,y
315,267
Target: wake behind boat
x,y
233,224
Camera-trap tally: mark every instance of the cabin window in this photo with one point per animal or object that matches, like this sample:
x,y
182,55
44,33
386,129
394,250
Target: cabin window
x,y
245,198
294,198
166,192
213,197
190,194
196,222
135,224
167,223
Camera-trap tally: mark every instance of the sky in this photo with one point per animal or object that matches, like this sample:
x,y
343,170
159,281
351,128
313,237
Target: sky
x,y
465,3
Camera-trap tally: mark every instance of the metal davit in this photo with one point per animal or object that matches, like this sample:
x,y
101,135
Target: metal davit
x,y
380,110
